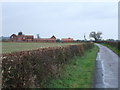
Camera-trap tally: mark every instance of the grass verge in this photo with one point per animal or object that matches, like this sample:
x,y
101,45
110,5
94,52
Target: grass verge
x,y
78,73
114,49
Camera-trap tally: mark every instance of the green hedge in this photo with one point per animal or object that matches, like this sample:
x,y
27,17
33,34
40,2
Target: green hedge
x,y
111,43
30,69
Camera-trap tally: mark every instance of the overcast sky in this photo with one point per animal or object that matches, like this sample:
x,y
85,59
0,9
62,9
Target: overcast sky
x,y
61,19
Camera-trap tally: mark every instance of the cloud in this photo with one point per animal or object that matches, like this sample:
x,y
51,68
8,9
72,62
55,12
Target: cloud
x,y
61,19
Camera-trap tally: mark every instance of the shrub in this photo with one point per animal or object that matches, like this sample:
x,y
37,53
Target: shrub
x,y
27,69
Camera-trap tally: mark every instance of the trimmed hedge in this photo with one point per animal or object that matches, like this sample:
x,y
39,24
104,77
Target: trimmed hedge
x,y
32,69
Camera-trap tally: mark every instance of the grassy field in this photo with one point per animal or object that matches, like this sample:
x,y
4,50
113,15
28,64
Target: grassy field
x,y
8,47
114,49
78,73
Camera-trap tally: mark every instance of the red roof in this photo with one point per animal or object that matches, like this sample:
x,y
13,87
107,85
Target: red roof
x,y
20,36
44,39
67,39
28,35
25,35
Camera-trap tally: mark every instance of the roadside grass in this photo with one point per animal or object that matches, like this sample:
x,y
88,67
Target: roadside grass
x,y
114,49
78,73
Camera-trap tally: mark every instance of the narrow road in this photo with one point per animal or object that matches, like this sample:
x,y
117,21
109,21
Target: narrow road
x,y
106,73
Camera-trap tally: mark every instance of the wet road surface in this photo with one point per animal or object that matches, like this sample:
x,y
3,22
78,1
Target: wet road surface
x,y
106,71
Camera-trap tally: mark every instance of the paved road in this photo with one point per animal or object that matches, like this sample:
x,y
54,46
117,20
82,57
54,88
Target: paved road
x,y
106,75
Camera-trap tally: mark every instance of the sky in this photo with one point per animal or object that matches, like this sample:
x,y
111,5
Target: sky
x,y
62,19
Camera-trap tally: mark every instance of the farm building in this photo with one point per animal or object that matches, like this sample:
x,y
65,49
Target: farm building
x,y
67,40
30,38
21,37
52,39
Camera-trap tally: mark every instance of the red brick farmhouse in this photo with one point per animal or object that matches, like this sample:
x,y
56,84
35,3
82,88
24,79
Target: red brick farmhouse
x,y
30,38
21,37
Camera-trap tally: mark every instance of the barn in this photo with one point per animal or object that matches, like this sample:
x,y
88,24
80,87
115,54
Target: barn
x,y
30,38
20,37
66,40
52,39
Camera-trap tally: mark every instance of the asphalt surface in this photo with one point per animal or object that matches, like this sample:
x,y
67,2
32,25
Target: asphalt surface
x,y
106,71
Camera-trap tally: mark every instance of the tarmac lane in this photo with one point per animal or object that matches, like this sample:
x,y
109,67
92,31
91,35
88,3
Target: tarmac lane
x,y
106,71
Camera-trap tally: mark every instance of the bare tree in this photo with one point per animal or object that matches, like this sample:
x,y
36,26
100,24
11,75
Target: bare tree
x,y
96,36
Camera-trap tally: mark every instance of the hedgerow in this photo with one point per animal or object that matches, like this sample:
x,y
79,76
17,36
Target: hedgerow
x,y
114,44
31,69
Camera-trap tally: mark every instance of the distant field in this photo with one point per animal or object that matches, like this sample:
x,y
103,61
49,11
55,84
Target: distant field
x,y
8,47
